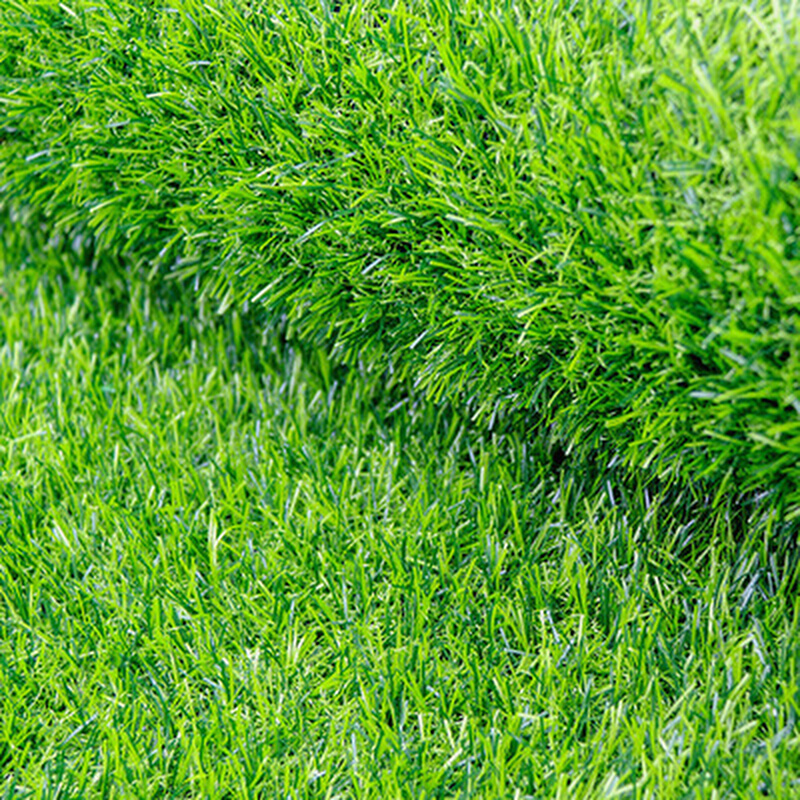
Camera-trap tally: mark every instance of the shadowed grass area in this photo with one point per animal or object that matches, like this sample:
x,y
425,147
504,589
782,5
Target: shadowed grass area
x,y
226,571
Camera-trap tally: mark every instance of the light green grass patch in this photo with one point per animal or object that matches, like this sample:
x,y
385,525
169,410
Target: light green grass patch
x,y
226,571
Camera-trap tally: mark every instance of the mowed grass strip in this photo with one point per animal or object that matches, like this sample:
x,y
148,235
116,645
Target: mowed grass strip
x,y
229,571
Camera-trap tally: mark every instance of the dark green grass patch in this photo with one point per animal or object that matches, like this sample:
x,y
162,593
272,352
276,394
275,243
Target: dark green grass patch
x,y
585,211
226,571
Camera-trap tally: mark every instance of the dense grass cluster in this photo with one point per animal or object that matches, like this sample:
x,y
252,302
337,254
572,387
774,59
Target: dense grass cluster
x,y
587,211
399,399
228,571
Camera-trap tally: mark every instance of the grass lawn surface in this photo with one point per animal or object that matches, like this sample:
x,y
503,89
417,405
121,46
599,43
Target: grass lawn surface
x,y
399,399
227,571
586,210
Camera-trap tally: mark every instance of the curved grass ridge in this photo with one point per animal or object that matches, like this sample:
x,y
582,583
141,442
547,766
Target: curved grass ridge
x,y
225,575
588,211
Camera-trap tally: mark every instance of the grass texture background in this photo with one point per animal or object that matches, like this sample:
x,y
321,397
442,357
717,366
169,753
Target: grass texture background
x,y
586,212
226,573
399,399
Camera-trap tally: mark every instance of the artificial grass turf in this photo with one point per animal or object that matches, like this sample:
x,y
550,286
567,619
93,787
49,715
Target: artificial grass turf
x,y
588,211
227,572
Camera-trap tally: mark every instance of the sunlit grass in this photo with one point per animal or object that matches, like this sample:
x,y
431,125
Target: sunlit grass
x,y
229,571
399,399
586,210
